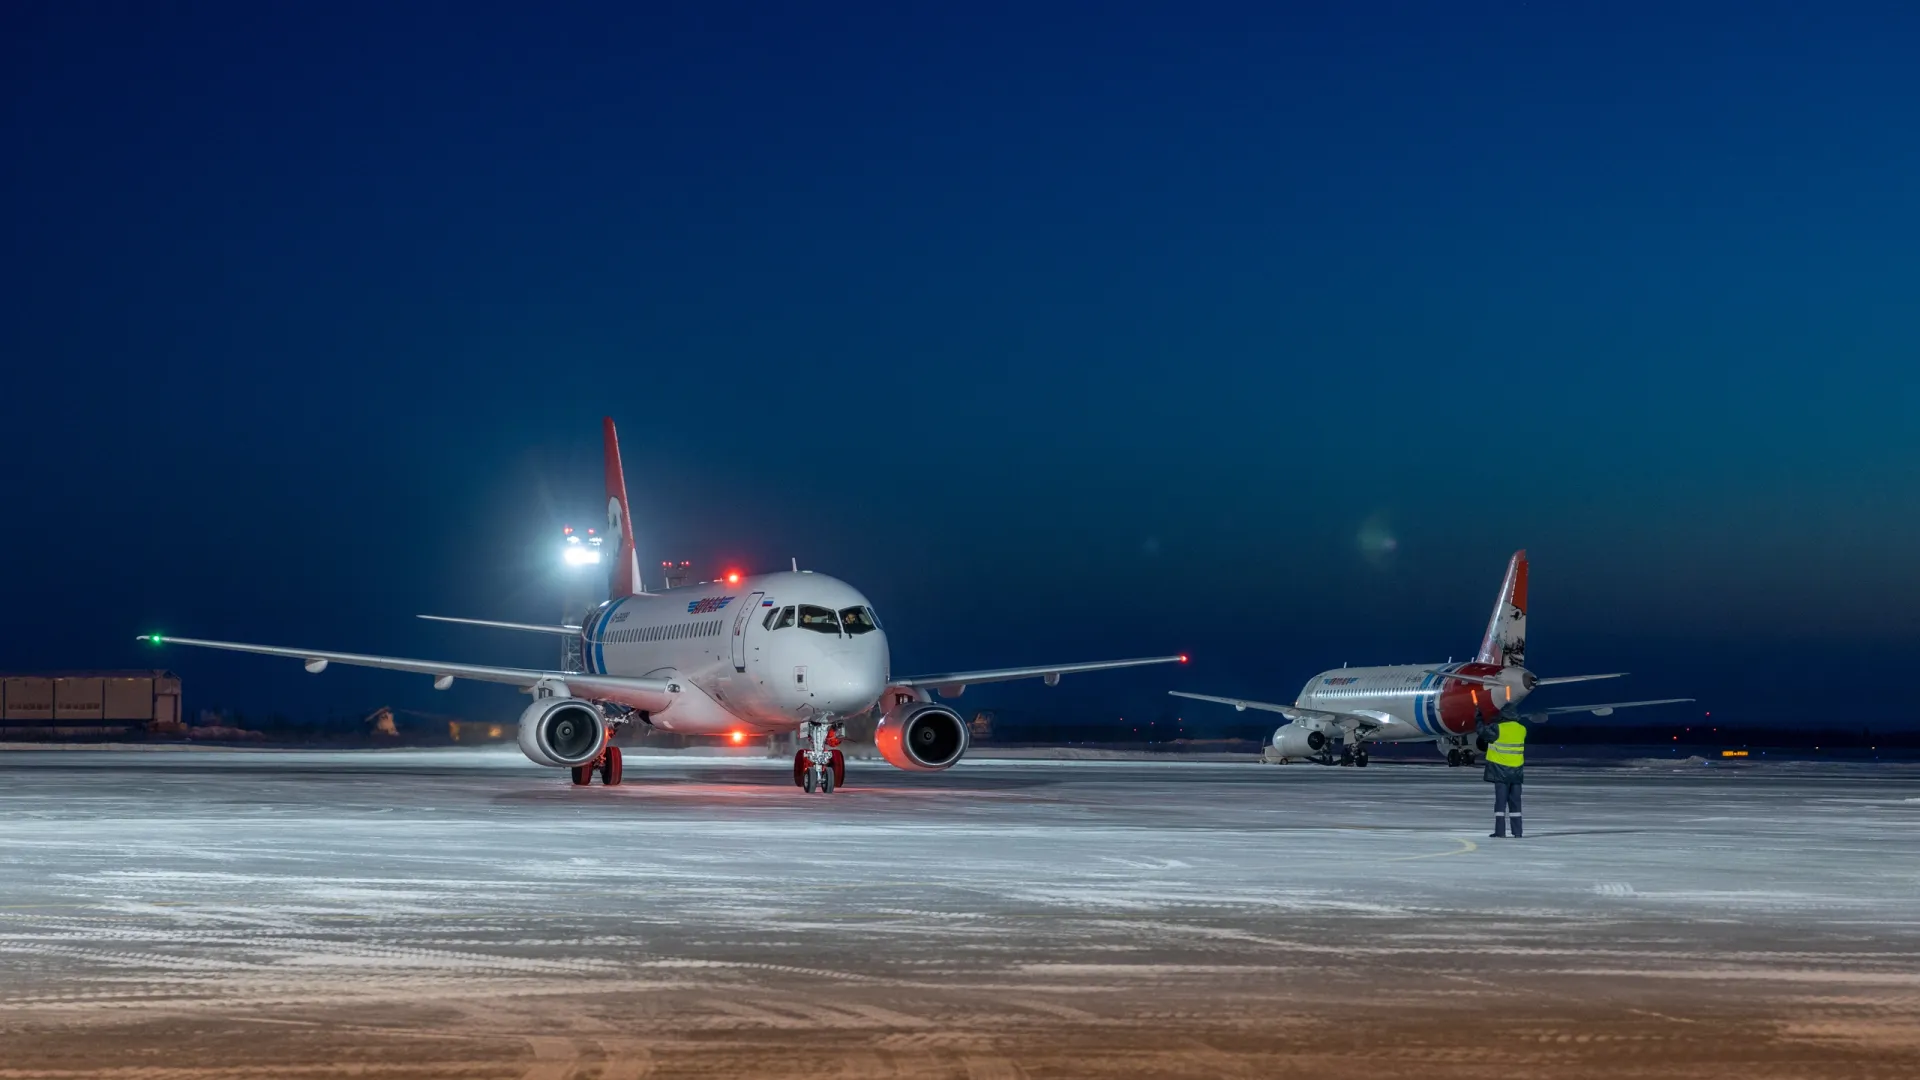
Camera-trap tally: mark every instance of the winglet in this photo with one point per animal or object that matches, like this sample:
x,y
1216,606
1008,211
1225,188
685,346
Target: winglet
x,y
1505,642
624,578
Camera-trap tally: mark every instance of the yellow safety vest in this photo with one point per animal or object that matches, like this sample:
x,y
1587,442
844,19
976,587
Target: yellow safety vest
x,y
1510,745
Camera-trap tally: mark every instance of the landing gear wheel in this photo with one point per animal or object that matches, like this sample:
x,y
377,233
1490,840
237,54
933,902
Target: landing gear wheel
x,y
1453,759
1360,760
826,781
839,770
799,767
806,782
582,775
1467,758
1346,756
610,767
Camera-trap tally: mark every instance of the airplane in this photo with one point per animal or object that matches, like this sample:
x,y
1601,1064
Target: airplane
x,y
753,654
1339,712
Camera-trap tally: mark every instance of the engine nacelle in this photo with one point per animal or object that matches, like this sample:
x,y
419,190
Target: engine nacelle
x,y
1297,740
562,731
921,736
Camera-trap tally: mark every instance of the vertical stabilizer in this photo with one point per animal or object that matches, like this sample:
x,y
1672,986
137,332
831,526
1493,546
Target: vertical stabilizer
x,y
623,579
1506,641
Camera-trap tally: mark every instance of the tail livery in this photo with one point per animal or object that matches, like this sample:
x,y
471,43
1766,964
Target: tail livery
x,y
1505,643
624,577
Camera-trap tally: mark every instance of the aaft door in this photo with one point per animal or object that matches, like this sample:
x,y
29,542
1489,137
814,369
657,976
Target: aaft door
x,y
741,620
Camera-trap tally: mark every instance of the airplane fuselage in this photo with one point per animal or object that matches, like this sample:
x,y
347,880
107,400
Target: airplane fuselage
x,y
766,653
1417,701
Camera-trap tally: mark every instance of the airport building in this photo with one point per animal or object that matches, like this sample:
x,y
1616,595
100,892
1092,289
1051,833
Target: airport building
x,y
89,704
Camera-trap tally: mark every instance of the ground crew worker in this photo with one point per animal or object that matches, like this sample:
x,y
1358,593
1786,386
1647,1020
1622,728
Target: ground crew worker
x,y
1506,758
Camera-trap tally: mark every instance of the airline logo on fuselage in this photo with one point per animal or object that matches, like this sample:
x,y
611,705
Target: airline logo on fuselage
x,y
708,605
1342,682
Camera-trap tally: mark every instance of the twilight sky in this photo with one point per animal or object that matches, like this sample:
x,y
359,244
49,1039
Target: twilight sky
x,y
1064,331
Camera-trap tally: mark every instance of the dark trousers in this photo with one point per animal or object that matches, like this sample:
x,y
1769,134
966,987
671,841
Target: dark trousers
x,y
1506,808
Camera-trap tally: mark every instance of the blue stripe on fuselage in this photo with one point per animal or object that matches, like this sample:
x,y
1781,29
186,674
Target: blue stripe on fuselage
x,y
598,653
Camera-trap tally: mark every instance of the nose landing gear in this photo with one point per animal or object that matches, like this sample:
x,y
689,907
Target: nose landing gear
x,y
820,766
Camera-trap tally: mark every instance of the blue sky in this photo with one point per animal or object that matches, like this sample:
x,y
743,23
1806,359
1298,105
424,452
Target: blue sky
x,y
1062,330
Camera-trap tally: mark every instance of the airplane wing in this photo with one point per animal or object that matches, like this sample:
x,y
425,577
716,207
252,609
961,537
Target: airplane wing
x,y
536,628
953,683
1489,680
647,695
1291,712
1598,710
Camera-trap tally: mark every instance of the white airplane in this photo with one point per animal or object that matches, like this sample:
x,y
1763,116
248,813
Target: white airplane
x,y
750,654
1340,711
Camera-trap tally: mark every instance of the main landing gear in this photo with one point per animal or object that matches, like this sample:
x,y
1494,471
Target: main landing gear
x,y
1355,756
1460,756
819,765
607,765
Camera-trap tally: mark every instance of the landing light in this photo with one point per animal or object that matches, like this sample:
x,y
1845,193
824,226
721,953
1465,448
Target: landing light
x,y
581,556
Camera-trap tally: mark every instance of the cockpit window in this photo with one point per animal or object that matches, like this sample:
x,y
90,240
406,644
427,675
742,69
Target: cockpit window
x,y
785,620
858,620
818,619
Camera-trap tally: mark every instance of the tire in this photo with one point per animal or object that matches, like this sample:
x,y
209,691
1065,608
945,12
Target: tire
x,y
1360,761
826,781
582,775
806,782
839,769
799,767
1453,759
610,769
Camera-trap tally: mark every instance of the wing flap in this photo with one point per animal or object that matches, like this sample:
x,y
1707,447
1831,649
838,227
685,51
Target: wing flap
x,y
650,695
536,628
953,683
1291,712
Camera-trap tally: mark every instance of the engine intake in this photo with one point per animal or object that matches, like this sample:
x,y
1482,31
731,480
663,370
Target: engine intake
x,y
921,736
562,731
1297,740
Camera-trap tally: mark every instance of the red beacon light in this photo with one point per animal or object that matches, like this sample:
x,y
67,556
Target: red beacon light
x,y
566,530
1183,658
739,737
733,577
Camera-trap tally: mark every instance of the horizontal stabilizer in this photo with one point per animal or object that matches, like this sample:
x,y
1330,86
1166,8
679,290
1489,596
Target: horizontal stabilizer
x,y
1599,710
534,628
1558,679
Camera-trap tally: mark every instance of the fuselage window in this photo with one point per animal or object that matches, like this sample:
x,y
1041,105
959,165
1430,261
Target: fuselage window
x,y
858,620
818,619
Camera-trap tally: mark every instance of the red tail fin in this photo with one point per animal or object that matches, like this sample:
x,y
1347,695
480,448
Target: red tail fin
x,y
624,577
1505,642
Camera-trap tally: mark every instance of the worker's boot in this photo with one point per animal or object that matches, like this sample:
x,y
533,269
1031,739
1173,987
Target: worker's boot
x,y
1499,825
1516,826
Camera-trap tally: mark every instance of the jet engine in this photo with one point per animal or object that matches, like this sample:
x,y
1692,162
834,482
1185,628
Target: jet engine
x,y
561,731
1297,740
921,736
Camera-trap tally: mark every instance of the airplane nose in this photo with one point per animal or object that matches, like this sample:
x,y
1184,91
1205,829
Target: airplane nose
x,y
849,685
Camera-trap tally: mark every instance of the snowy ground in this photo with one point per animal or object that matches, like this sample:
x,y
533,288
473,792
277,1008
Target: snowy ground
x,y
976,922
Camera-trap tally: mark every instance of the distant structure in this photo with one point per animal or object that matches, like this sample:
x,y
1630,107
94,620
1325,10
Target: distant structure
x,y
982,725
583,587
677,573
90,704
